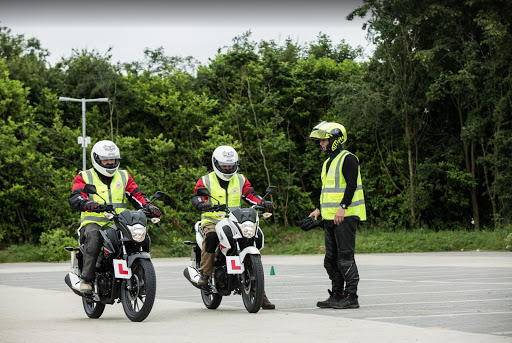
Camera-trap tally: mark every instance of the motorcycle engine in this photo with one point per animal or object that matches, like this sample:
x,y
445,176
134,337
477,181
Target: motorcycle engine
x,y
221,277
104,283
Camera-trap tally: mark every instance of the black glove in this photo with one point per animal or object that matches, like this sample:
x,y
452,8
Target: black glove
x,y
269,206
204,206
153,210
309,223
91,206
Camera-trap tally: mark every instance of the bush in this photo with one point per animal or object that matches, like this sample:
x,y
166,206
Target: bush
x,y
53,244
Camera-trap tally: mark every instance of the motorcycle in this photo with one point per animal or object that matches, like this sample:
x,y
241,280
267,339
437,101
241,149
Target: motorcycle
x,y
237,266
124,271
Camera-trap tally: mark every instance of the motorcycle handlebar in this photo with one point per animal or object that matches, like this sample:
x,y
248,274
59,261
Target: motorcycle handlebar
x,y
220,208
259,208
102,208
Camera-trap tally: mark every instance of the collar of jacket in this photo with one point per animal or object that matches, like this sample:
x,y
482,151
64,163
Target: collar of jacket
x,y
336,153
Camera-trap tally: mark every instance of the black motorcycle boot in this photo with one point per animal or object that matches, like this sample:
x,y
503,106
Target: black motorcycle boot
x,y
333,297
350,301
266,304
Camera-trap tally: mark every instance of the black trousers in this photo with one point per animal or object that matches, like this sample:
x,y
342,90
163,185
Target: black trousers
x,y
92,240
339,262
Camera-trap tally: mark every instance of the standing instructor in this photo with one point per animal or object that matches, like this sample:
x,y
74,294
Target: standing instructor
x,y
342,208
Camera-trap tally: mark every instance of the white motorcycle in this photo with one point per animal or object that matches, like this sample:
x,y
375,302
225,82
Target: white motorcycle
x,y
237,267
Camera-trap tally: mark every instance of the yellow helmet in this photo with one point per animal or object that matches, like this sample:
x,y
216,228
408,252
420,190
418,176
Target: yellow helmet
x,y
335,132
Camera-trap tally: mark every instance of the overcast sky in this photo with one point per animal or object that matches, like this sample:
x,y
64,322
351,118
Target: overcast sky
x,y
182,28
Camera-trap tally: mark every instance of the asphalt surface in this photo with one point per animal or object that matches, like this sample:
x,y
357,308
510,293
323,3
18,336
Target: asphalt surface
x,y
417,297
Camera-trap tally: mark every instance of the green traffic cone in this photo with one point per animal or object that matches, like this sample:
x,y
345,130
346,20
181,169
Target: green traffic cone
x,y
272,271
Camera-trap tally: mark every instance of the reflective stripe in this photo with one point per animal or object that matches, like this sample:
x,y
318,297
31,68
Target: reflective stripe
x,y
337,204
337,181
96,219
207,184
90,180
118,205
125,182
339,190
241,181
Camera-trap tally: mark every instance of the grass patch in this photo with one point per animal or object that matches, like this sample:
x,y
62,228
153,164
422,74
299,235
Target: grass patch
x,y
21,253
293,241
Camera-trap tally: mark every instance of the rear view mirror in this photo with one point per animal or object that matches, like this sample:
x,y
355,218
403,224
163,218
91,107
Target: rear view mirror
x,y
90,189
203,191
159,195
271,190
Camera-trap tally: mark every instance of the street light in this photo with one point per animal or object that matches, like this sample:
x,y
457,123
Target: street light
x,y
84,141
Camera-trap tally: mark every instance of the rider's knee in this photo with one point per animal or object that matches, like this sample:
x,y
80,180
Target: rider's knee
x,y
212,241
93,243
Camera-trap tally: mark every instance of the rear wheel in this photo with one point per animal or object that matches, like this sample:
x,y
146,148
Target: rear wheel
x,y
92,308
138,298
254,287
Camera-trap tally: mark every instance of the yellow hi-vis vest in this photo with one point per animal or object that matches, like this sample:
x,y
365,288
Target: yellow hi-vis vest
x,y
232,196
114,196
333,190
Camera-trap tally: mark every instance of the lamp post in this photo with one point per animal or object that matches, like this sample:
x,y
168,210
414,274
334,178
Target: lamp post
x,y
84,140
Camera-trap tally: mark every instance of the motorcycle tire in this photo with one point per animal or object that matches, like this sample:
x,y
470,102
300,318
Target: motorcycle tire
x,y
211,300
92,308
254,287
138,299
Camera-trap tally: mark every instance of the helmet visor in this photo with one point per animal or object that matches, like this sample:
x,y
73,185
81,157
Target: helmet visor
x,y
110,156
226,167
319,132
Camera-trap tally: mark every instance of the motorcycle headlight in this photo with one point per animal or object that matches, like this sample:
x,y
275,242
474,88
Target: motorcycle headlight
x,y
138,232
248,229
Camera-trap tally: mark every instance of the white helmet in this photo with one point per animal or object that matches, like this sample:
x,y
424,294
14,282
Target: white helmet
x,y
225,156
105,150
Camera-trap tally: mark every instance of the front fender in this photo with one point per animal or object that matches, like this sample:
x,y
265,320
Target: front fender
x,y
249,250
132,258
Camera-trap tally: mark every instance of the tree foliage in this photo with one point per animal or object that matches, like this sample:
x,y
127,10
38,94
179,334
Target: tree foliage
x,y
428,115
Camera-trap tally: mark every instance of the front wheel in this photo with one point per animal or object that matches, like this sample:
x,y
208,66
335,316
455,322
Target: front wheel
x,y
92,308
138,295
211,300
254,287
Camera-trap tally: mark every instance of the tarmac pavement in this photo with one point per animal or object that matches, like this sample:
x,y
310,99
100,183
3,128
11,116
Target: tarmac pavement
x,y
414,297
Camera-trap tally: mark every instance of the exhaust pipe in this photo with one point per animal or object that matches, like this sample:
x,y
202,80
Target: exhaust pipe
x,y
192,275
73,282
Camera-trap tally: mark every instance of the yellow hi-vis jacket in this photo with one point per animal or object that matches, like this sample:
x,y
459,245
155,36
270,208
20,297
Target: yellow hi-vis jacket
x,y
232,196
333,190
113,195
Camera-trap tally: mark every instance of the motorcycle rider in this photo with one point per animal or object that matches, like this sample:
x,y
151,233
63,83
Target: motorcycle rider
x,y
229,187
114,186
342,208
